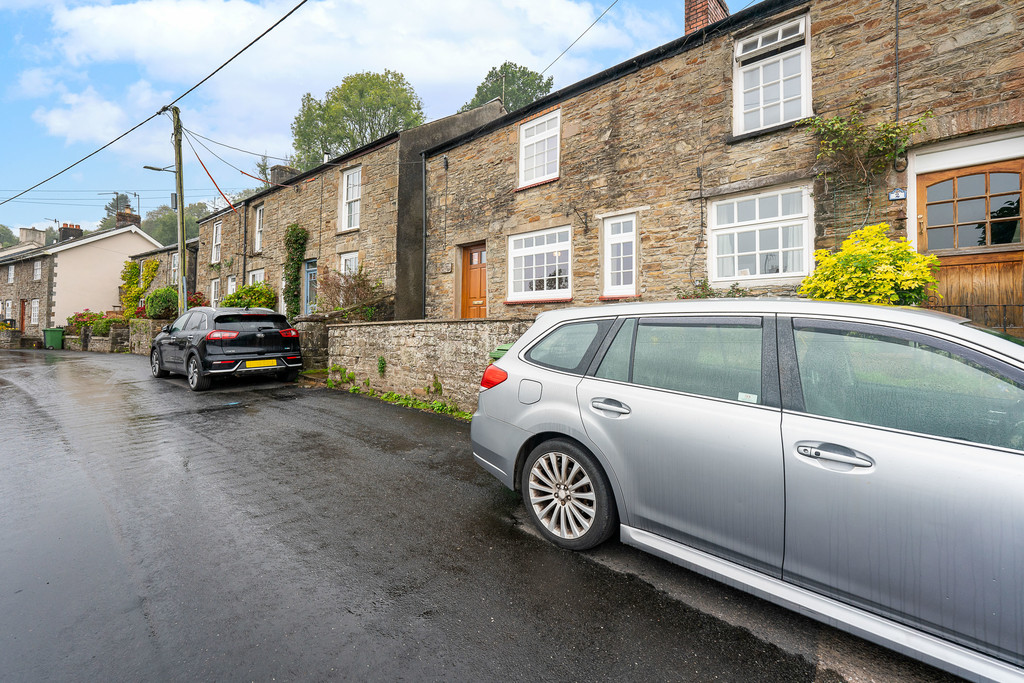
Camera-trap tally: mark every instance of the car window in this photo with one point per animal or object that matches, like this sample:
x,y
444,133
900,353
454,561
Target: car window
x,y
196,322
616,361
243,322
709,358
179,324
569,347
902,381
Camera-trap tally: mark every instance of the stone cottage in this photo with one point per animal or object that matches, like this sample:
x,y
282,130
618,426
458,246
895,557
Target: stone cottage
x,y
690,162
363,208
167,272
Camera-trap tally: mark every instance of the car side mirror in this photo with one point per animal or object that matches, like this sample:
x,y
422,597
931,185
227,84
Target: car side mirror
x,y
165,328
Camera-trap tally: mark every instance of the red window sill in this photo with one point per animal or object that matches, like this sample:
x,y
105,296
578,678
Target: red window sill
x,y
543,182
537,301
618,297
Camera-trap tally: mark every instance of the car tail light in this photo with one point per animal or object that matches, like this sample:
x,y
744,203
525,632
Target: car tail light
x,y
220,334
290,332
493,376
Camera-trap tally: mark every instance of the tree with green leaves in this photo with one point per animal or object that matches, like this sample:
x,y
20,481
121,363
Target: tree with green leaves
x,y
517,86
118,203
365,107
162,222
7,237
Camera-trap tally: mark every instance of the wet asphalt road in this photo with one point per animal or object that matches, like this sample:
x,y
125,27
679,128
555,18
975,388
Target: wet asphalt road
x,y
264,531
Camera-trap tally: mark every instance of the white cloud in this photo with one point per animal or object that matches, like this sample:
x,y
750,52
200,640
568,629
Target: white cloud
x,y
38,82
85,117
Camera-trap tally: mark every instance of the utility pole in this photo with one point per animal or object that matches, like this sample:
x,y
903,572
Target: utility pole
x,y
179,186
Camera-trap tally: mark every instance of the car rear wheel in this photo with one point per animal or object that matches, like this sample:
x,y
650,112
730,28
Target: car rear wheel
x,y
197,381
288,375
567,495
154,365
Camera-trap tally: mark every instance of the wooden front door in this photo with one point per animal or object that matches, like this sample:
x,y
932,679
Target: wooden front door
x,y
970,218
474,281
21,319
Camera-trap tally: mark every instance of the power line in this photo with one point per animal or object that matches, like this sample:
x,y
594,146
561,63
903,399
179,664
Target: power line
x,y
580,36
165,108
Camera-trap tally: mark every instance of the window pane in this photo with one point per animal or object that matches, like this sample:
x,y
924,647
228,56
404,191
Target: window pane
x,y
726,244
615,364
746,241
791,66
768,207
970,210
792,236
940,191
746,265
567,346
970,186
725,213
769,239
792,203
940,238
769,264
751,99
746,210
772,93
721,361
791,88
770,72
890,382
940,214
752,120
1006,232
972,235
726,267
751,78
1006,206
772,115
1003,182
791,110
792,261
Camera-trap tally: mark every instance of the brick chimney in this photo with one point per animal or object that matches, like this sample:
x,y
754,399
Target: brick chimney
x,y
701,13
69,232
125,218
32,236
280,174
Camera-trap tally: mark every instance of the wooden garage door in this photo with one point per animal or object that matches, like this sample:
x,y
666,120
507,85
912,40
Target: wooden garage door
x,y
970,218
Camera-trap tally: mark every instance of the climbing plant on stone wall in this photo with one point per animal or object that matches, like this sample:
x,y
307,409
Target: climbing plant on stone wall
x,y
295,240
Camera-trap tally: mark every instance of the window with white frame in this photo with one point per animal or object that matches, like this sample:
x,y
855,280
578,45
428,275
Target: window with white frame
x,y
257,235
348,263
10,276
215,249
772,77
539,265
763,236
352,192
215,293
538,149
34,320
619,261
7,309
255,276
231,285
174,269
37,270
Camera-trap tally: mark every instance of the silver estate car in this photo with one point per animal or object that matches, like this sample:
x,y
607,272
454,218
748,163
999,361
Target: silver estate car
x,y
863,465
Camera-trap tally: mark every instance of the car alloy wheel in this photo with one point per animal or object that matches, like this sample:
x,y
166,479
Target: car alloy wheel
x,y
196,380
567,496
154,365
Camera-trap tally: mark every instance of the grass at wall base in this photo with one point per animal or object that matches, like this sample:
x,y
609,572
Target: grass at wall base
x,y
870,267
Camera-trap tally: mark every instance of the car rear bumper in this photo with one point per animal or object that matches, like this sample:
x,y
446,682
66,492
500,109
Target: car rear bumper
x,y
229,366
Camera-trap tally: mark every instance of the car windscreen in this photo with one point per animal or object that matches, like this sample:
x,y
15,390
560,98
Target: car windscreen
x,y
251,321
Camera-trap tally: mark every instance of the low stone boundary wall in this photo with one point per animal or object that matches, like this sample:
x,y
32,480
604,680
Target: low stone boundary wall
x,y
416,352
10,339
141,332
313,340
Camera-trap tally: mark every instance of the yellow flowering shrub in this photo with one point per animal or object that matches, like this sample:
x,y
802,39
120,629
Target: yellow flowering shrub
x,y
872,268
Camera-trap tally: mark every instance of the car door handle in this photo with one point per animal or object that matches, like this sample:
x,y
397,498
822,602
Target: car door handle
x,y
834,453
610,405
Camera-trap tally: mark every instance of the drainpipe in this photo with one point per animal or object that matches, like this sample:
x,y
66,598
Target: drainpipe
x,y
423,161
245,238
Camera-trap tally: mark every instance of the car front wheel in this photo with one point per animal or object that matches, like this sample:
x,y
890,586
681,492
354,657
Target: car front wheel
x,y
154,365
568,496
197,381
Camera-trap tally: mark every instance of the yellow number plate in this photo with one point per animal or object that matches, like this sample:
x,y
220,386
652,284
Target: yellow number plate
x,y
260,363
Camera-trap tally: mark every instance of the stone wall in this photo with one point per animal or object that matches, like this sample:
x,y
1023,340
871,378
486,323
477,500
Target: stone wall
x,y
10,339
141,332
26,288
313,341
454,352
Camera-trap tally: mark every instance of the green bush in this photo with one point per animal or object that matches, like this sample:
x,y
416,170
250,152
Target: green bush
x,y
101,328
871,268
257,295
162,304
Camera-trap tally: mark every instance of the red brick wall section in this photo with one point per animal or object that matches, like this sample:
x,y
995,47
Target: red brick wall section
x,y
700,13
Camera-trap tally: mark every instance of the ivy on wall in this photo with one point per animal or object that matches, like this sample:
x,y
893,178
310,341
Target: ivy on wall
x,y
133,288
295,239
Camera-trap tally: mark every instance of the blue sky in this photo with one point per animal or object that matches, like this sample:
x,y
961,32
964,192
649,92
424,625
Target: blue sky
x,y
75,75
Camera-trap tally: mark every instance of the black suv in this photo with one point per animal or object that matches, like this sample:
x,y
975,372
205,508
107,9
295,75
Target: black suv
x,y
205,342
